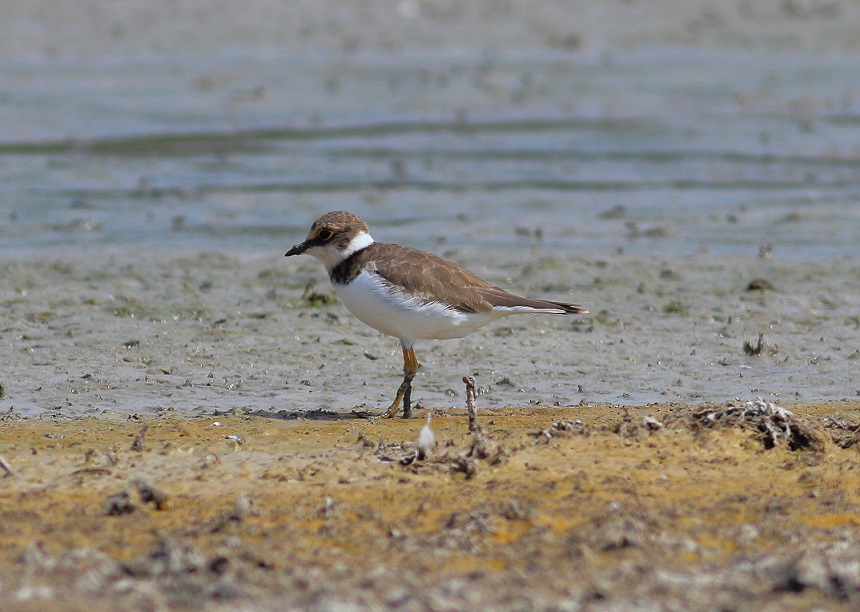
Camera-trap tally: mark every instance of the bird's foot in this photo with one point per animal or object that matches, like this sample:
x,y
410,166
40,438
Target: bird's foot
x,y
407,403
404,395
404,392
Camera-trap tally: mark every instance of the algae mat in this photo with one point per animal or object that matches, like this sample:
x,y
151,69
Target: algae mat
x,y
591,507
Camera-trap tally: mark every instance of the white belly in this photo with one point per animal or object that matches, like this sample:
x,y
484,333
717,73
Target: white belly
x,y
396,314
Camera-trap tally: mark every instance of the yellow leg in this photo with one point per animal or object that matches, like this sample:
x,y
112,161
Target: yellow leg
x,y
404,392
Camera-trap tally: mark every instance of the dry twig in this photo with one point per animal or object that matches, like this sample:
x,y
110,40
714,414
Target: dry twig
x,y
139,439
471,393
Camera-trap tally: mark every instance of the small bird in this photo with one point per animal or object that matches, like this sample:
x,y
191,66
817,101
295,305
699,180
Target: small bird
x,y
407,293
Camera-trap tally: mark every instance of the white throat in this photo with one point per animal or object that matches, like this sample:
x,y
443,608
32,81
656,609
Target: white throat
x,y
331,256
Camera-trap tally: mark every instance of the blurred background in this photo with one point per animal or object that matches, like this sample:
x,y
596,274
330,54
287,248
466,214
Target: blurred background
x,y
676,125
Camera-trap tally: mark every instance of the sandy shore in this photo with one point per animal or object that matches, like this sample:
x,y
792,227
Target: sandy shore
x,y
590,508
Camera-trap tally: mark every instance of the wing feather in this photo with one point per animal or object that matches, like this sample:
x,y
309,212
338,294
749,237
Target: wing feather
x,y
430,277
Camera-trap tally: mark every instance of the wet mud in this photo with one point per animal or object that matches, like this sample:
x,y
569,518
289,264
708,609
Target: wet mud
x,y
119,334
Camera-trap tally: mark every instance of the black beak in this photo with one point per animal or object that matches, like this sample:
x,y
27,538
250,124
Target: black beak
x,y
297,249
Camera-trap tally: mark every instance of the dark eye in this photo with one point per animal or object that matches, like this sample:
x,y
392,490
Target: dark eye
x,y
325,234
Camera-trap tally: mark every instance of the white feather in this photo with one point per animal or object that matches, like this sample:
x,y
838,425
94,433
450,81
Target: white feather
x,y
331,255
396,313
426,438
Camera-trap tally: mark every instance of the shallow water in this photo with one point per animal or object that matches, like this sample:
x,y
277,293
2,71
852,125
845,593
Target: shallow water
x,y
651,184
720,150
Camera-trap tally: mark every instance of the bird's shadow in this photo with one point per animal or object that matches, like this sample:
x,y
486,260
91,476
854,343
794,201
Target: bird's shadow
x,y
314,415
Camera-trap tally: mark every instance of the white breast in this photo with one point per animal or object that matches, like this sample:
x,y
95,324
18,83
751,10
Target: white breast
x,y
395,313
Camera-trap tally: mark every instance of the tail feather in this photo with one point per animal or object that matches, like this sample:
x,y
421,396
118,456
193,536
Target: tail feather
x,y
570,308
501,298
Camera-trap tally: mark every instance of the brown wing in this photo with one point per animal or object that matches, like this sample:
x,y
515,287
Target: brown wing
x,y
430,277
433,278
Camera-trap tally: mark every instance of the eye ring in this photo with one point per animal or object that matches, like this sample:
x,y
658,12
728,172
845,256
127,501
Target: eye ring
x,y
325,234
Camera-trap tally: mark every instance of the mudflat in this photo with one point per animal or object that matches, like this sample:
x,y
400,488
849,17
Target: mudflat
x,y
185,414
190,430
